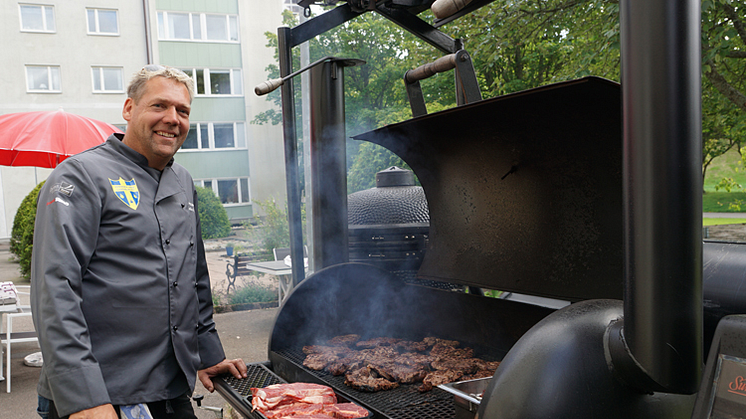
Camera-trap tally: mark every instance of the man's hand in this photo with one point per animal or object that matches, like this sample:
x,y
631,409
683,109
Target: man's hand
x,y
236,367
105,411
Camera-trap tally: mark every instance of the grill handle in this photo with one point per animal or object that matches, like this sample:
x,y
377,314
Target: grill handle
x,y
441,65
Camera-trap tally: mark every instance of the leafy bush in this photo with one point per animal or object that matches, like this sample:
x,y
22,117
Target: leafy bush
x,y
212,215
253,293
22,234
273,229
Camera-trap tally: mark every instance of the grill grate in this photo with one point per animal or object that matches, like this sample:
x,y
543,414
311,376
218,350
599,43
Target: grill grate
x,y
404,402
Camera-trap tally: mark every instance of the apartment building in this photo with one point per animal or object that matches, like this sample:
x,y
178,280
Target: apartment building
x,y
79,55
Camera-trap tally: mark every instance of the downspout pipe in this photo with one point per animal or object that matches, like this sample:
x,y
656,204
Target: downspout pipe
x,y
662,326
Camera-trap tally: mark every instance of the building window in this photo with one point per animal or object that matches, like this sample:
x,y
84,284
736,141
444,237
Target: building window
x,y
37,18
102,22
216,82
107,79
215,135
43,79
230,191
197,27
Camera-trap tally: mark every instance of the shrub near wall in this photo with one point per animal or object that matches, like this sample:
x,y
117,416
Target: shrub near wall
x,y
212,215
22,234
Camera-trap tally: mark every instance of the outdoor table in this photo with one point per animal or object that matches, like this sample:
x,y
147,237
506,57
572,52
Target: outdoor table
x,y
281,270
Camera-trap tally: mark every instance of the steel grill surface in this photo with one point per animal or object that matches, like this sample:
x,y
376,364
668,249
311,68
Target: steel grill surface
x,y
404,402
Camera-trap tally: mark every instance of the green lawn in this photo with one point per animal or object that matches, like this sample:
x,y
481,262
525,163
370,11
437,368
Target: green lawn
x,y
724,202
727,165
722,221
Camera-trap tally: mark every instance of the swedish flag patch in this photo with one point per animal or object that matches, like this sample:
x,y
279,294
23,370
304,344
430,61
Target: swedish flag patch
x,y
126,191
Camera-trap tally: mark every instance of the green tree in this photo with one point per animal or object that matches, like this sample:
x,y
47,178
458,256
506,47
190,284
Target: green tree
x,y
521,45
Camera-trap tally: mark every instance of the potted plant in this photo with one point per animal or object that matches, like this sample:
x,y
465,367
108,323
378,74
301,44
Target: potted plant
x,y
229,249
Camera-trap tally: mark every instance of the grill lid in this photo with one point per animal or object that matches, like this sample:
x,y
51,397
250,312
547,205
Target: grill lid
x,y
394,200
524,190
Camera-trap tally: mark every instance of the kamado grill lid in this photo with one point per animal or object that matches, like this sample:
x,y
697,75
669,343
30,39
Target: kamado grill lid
x,y
524,190
394,201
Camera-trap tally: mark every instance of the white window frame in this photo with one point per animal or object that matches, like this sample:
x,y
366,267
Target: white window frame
x,y
231,22
211,136
242,200
44,21
236,81
49,78
98,71
96,22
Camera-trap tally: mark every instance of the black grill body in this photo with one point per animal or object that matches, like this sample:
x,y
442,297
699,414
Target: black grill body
x,y
389,224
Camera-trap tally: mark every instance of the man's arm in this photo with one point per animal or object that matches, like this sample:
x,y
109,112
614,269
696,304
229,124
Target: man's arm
x,y
64,240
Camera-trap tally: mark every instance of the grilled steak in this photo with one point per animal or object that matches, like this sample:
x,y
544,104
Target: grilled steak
x,y
442,350
344,340
365,379
438,377
320,349
385,362
318,362
411,346
376,342
465,365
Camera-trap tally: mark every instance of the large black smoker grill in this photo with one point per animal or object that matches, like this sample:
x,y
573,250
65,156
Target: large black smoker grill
x,y
582,191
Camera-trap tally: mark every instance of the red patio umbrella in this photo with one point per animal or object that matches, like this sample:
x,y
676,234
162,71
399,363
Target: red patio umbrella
x,y
46,138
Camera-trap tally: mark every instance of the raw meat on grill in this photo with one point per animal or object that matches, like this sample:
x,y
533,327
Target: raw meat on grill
x,y
270,397
302,400
349,411
365,379
297,409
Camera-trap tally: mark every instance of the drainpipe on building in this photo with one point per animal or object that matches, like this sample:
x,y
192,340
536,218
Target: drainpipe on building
x,y
146,17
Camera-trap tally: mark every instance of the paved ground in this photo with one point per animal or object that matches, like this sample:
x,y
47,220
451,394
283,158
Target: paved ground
x,y
244,334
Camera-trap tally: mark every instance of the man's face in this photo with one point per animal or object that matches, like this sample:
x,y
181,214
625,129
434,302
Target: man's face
x,y
158,123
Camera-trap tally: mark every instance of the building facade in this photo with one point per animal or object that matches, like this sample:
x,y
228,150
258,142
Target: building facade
x,y
79,56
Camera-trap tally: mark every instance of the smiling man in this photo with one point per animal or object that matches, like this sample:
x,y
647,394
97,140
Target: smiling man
x,y
120,290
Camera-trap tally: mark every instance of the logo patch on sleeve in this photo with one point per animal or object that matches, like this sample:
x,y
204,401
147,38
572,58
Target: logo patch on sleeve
x,y
126,191
63,188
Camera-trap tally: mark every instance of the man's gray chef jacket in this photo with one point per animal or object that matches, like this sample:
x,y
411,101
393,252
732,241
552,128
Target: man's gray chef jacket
x,y
120,289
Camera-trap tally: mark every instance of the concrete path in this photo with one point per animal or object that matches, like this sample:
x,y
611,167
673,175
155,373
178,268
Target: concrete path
x,y
724,215
244,334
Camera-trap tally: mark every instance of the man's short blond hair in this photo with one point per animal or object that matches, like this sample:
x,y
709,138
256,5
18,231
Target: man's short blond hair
x,y
136,88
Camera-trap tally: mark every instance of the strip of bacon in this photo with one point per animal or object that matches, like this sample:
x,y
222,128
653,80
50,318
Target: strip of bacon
x,y
269,397
349,411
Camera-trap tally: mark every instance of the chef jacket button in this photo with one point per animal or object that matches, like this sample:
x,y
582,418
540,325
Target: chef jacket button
x,y
168,241
191,244
196,326
176,328
176,283
183,205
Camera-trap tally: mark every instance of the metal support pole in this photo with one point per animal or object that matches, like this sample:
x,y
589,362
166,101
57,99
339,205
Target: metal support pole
x,y
328,165
663,190
291,156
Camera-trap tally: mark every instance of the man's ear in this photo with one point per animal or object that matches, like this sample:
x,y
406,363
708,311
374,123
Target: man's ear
x,y
127,109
